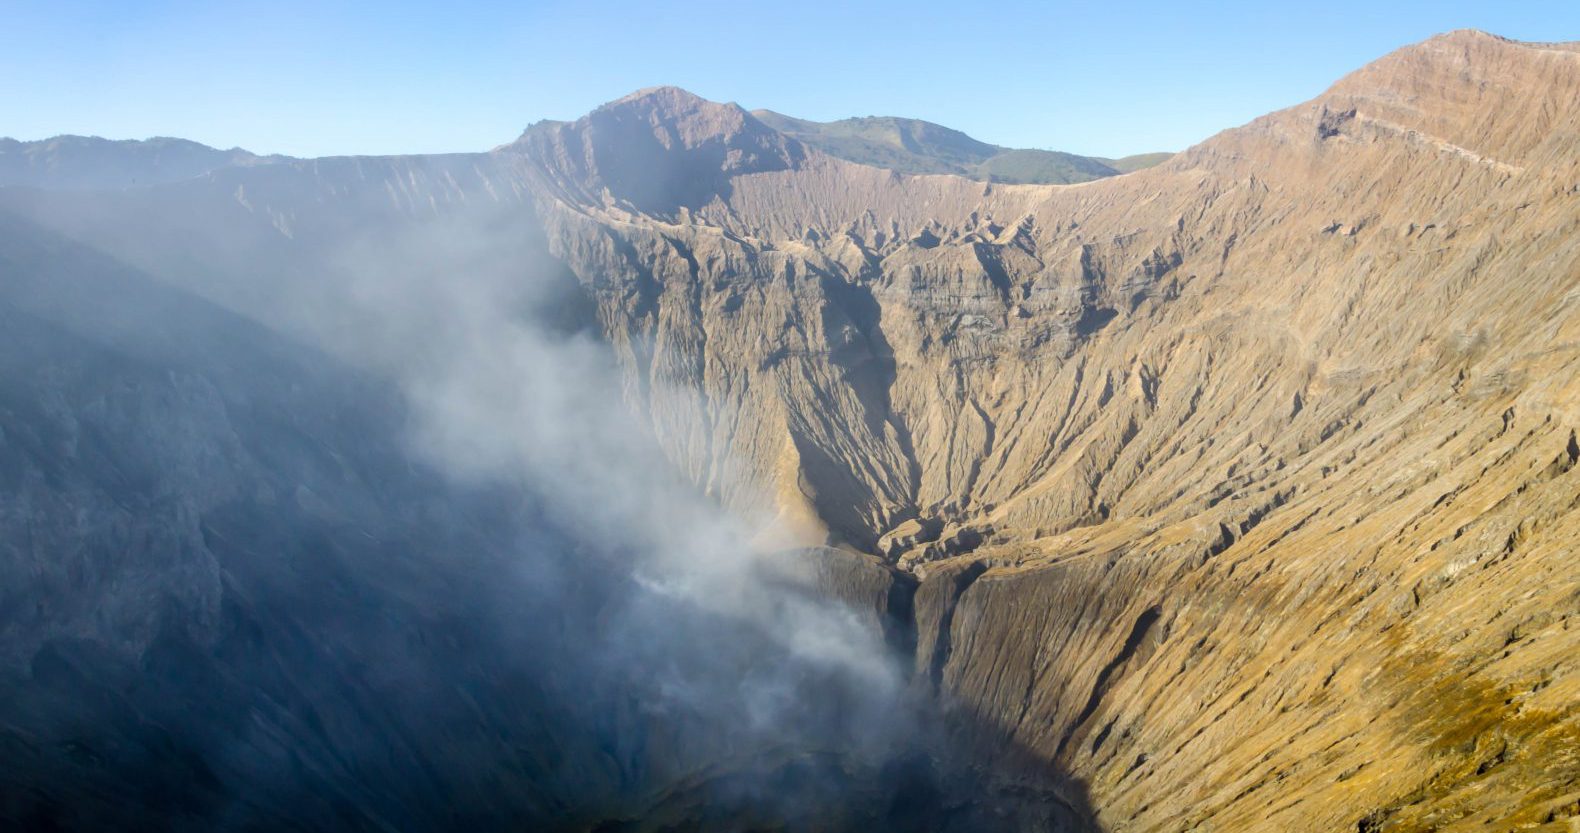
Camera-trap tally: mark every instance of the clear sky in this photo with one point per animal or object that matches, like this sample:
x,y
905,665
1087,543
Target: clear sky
x,y
320,78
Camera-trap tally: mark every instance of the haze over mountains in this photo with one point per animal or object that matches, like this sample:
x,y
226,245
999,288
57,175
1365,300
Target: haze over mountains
x,y
914,146
673,469
89,162
904,145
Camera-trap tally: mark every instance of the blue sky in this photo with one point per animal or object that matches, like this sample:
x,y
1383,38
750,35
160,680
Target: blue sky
x,y
320,78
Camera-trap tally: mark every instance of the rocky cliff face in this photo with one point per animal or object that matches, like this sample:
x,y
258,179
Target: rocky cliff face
x,y
236,599
1267,452
1240,489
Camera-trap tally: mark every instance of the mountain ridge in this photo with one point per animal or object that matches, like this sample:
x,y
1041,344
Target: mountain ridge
x,y
88,162
41,163
915,146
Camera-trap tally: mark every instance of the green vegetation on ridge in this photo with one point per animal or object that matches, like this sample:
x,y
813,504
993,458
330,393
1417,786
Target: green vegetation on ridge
x,y
920,147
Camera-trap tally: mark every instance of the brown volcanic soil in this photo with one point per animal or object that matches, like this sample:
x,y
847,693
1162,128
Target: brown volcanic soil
x,y
1269,453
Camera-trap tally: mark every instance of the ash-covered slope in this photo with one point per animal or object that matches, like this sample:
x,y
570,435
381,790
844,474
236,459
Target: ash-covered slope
x,y
225,583
236,598
1241,489
420,572
1268,451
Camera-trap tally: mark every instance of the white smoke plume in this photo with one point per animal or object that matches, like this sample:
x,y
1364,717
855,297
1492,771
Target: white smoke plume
x,y
503,389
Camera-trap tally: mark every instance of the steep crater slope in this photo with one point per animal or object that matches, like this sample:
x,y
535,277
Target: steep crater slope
x,y
1268,452
236,598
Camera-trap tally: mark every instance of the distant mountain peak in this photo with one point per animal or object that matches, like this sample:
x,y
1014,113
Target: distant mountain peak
x,y
664,95
92,162
1478,36
681,118
658,149
1455,58
916,146
1464,92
